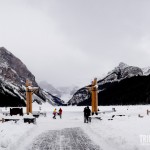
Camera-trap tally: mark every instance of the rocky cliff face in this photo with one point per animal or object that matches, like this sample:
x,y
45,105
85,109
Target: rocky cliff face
x,y
13,70
13,75
121,80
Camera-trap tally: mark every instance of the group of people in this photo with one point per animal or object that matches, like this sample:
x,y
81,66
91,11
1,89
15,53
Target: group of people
x,y
87,113
57,113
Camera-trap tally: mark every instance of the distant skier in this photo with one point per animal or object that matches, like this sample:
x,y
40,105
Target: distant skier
x,y
60,113
54,113
87,113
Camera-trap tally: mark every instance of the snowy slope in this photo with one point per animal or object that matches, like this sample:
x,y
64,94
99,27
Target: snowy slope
x,y
146,71
67,92
53,100
48,87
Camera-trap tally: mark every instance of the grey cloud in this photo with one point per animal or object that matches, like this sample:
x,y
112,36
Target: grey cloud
x,y
69,42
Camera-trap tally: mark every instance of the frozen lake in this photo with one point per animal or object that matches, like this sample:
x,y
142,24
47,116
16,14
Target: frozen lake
x,y
125,132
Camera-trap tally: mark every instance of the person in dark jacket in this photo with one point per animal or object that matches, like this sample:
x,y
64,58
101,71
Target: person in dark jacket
x,y
60,113
87,113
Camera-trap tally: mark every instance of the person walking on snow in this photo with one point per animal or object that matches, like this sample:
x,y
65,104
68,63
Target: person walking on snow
x,y
54,113
84,114
87,113
60,113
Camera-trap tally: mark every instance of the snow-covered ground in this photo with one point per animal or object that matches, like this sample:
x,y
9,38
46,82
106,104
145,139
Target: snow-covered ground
x,y
66,97
128,132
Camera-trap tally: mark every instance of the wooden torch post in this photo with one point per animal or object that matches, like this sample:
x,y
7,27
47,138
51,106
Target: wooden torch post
x,y
27,97
30,101
29,91
94,96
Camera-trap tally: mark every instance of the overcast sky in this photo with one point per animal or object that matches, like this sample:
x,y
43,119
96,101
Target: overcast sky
x,y
69,42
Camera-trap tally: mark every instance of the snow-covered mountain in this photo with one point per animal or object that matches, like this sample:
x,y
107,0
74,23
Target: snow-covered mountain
x,y
67,92
48,87
121,72
146,71
64,93
13,75
113,79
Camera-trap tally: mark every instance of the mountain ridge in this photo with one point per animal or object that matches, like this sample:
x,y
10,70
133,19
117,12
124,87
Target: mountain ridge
x,y
114,78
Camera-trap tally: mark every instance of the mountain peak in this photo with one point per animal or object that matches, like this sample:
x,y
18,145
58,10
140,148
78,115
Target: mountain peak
x,y
4,50
119,68
122,65
13,69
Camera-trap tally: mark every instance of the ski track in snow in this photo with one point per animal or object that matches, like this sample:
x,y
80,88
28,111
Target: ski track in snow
x,y
65,139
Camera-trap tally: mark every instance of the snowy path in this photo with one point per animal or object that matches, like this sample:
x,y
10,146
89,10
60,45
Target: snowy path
x,y
65,139
58,134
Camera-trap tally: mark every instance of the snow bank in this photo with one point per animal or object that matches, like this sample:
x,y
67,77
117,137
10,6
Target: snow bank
x,y
12,133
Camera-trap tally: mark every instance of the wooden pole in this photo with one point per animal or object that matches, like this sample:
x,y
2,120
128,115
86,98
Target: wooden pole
x,y
93,99
29,91
30,101
27,97
96,96
94,92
